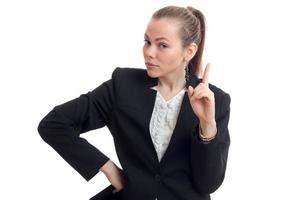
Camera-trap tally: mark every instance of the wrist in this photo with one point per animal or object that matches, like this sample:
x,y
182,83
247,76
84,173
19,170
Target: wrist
x,y
107,167
207,130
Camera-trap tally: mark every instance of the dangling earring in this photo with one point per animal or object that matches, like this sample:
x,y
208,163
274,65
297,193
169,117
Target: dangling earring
x,y
187,74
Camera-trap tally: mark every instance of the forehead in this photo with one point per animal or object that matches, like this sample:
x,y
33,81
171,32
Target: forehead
x,y
162,28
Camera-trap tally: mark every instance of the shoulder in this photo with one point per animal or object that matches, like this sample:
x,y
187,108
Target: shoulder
x,y
217,90
128,72
128,79
222,99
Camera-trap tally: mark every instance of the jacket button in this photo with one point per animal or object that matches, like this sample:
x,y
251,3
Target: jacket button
x,y
157,177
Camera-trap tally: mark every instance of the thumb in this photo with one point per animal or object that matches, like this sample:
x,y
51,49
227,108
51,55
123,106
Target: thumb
x,y
190,91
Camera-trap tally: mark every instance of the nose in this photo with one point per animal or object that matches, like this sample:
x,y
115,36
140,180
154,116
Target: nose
x,y
149,51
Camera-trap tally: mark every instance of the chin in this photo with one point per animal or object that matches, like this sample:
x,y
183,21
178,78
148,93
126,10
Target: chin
x,y
151,74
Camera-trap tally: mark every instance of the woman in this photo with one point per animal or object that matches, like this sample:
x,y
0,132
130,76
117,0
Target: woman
x,y
170,128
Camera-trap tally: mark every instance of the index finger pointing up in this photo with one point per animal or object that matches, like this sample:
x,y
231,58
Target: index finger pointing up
x,y
205,75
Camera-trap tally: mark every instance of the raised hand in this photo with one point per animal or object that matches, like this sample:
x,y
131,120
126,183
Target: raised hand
x,y
202,101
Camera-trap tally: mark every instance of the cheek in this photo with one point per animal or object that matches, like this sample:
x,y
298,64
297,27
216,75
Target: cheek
x,y
173,59
144,50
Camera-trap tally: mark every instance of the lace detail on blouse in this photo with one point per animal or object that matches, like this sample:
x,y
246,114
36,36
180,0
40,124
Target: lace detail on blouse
x,y
163,120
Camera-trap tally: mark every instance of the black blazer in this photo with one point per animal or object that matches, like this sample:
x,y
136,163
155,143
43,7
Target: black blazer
x,y
189,169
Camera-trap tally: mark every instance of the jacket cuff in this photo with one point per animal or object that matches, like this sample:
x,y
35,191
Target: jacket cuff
x,y
198,140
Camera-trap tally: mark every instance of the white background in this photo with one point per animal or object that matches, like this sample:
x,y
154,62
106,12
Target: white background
x,y
53,51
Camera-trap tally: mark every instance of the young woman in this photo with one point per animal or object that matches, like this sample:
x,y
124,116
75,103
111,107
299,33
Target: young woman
x,y
170,128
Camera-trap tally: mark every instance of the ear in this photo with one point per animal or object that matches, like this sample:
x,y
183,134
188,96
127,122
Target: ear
x,y
191,50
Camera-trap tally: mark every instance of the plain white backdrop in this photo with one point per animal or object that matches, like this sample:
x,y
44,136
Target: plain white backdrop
x,y
53,51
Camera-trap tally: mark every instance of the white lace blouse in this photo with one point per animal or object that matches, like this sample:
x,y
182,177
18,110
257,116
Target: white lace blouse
x,y
163,120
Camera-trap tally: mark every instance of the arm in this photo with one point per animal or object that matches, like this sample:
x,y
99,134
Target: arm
x,y
208,159
62,126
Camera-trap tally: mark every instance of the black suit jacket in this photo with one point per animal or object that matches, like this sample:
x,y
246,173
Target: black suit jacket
x,y
189,169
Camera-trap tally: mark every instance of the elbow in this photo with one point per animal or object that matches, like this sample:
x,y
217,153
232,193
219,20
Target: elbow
x,y
210,177
53,128
209,186
42,130
45,127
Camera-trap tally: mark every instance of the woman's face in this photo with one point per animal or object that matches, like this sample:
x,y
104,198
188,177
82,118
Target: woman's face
x,y
163,48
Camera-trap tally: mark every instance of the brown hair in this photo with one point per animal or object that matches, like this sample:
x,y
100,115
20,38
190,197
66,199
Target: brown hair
x,y
192,29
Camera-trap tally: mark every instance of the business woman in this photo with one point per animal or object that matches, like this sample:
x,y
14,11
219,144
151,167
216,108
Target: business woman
x,y
170,128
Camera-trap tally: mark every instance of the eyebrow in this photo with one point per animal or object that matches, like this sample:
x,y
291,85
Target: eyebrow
x,y
159,38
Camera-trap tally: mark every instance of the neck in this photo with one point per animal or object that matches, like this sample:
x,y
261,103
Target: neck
x,y
173,81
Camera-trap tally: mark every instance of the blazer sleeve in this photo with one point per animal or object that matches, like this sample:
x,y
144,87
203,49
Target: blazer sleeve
x,y
62,126
208,160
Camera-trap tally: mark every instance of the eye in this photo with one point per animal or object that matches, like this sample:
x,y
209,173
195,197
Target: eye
x,y
163,45
146,41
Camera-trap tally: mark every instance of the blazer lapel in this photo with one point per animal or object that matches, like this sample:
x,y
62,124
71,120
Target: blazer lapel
x,y
185,122
186,118
149,100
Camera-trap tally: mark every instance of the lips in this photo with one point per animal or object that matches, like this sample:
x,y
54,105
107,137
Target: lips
x,y
151,64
